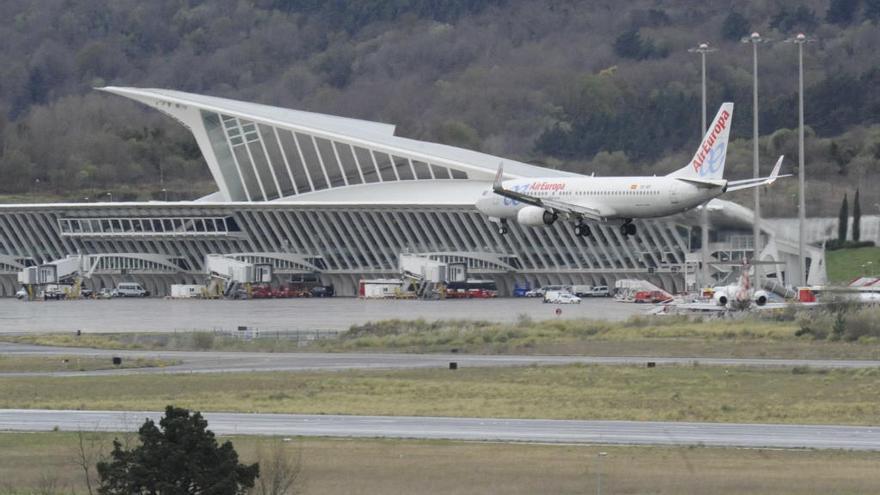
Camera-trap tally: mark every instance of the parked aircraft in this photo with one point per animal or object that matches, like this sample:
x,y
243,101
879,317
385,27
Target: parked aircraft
x,y
540,202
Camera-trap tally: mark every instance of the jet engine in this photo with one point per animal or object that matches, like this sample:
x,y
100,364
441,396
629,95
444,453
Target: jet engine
x,y
534,216
723,296
760,297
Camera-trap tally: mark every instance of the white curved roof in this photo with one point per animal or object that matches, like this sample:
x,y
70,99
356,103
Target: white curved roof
x,y
424,192
223,126
321,121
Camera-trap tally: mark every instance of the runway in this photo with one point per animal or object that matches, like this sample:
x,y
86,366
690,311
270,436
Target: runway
x,y
223,362
471,429
220,362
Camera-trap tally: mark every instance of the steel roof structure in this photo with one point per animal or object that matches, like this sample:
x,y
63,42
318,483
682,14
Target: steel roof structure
x,y
349,196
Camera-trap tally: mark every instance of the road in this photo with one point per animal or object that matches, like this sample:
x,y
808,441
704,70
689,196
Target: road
x,y
335,313
222,362
471,429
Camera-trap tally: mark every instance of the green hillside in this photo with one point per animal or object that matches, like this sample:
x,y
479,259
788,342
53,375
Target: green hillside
x,y
843,265
604,87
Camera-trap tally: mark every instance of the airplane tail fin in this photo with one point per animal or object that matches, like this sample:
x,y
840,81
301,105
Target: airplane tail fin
x,y
708,161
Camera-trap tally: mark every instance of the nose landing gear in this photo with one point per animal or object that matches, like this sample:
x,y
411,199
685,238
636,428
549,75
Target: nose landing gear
x,y
502,227
628,228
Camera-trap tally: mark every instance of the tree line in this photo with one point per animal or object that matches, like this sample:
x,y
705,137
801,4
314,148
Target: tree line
x,y
582,86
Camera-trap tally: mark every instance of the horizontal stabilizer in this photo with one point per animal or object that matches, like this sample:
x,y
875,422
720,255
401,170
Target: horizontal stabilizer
x,y
737,185
706,184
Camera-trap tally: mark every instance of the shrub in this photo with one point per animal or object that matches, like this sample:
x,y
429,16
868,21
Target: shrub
x,y
524,320
862,323
788,313
817,325
203,340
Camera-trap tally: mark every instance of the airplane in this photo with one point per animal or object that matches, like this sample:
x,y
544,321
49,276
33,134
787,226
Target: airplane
x,y
542,201
735,297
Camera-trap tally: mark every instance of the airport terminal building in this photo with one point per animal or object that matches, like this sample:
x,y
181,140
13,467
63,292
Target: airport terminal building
x,y
340,199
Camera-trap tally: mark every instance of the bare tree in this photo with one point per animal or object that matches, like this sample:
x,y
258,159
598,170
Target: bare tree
x,y
89,451
48,484
281,471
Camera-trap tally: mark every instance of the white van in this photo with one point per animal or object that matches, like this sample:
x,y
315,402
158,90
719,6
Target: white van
x,y
559,297
581,290
130,289
600,291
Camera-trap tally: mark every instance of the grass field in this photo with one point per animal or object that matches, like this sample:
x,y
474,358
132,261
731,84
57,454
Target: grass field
x,y
34,462
18,363
843,265
668,336
568,392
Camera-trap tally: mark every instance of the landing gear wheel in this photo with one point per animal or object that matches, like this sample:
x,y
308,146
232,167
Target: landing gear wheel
x,y
581,230
502,229
630,229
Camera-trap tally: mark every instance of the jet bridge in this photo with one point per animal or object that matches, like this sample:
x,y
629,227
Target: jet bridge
x,y
228,273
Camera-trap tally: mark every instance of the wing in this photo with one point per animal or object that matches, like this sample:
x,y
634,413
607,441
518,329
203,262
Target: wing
x,y
561,208
736,185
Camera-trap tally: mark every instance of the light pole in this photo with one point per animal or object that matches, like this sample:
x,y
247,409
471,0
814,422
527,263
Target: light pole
x,y
754,39
110,195
799,40
703,49
599,457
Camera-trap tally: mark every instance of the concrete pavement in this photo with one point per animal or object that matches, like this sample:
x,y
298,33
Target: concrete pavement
x,y
220,362
472,429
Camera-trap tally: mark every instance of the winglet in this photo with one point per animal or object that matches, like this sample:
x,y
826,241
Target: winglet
x,y
496,184
775,173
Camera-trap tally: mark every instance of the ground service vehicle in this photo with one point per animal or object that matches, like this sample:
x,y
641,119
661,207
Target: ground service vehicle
x,y
581,290
600,291
130,289
651,296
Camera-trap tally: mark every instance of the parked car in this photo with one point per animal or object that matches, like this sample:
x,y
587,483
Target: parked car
x,y
322,291
21,294
130,289
537,292
521,290
559,297
600,291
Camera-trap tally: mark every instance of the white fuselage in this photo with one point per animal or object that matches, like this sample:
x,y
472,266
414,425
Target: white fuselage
x,y
613,197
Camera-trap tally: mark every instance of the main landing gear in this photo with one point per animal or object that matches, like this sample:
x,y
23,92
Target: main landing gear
x,y
628,228
582,230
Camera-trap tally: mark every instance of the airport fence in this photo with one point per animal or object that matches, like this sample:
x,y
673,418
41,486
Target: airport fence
x,y
255,333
